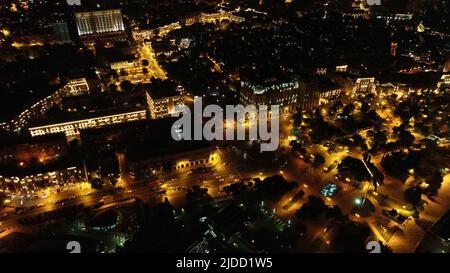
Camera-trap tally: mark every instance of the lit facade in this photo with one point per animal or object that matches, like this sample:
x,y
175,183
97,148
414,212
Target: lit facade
x,y
98,22
72,128
29,185
212,18
37,110
284,94
444,82
364,86
196,160
76,87
123,65
180,161
163,106
314,98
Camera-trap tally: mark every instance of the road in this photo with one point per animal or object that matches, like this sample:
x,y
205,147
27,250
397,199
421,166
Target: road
x,y
175,183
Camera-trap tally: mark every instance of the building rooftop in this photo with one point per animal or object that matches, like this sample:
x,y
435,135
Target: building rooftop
x,y
260,84
425,80
70,117
143,140
97,5
322,84
161,89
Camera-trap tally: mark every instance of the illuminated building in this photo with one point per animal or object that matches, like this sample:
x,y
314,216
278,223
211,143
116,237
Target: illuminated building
x,y
318,92
394,49
77,87
74,87
272,92
444,82
29,185
195,158
341,68
35,111
96,120
162,98
124,64
98,22
206,18
364,86
164,30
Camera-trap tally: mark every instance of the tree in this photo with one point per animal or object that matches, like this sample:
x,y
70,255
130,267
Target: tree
x,y
126,86
413,196
365,107
348,109
396,164
379,139
314,208
97,184
145,62
406,138
198,193
319,160
350,237
353,167
297,120
435,183
3,197
113,87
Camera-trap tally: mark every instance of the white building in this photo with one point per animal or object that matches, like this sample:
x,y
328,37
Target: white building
x,y
98,22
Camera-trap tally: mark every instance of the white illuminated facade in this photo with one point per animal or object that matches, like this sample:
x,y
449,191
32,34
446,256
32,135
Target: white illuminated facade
x,y
72,128
164,106
98,22
444,81
76,87
29,185
364,86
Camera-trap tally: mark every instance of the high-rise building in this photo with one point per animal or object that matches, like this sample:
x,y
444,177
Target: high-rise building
x,y
163,97
98,22
61,32
272,91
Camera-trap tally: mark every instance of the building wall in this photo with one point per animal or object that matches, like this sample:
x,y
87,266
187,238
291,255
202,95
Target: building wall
x,y
97,22
181,162
61,32
161,108
213,18
364,86
123,65
72,128
31,183
284,96
76,87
